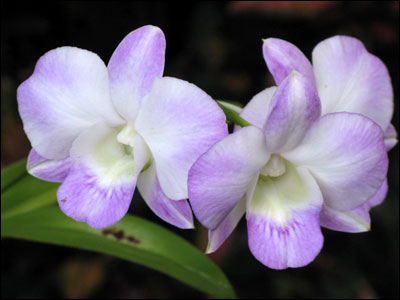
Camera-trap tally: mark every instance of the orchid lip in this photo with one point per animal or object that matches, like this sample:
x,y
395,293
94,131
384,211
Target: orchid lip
x,y
277,196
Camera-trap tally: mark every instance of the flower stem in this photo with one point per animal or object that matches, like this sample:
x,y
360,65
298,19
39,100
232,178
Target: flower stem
x,y
232,113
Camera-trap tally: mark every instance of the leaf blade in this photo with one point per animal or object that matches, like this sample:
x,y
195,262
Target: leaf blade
x,y
30,211
12,173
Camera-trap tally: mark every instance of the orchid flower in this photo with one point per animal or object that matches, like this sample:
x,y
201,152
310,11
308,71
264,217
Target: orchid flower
x,y
347,78
103,130
282,170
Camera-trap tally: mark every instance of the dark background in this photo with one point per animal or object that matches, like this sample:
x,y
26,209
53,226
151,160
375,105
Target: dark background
x,y
217,46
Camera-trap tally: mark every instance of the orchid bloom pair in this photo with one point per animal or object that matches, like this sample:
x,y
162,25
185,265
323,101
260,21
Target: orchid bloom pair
x,y
314,154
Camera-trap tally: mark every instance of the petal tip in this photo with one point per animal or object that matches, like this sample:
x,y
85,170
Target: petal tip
x,y
209,249
270,41
188,224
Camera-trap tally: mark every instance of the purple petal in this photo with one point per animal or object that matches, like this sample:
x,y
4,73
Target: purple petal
x,y
346,154
292,246
67,93
179,122
220,177
47,169
282,57
99,187
177,213
221,233
282,219
134,65
354,220
390,137
294,108
83,198
351,79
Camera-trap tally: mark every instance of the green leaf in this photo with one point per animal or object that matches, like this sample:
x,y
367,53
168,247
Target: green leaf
x,y
12,173
30,211
232,113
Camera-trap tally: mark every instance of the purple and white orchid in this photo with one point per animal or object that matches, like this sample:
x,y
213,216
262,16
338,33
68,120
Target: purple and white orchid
x,y
347,78
314,156
103,130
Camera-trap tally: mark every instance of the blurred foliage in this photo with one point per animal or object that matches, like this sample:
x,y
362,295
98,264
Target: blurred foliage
x,y
217,46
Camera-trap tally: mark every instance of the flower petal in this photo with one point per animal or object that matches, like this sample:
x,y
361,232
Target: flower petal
x,y
282,219
100,185
177,213
47,169
67,93
390,137
217,236
256,111
354,220
282,57
293,109
346,154
138,59
220,177
141,155
179,122
351,79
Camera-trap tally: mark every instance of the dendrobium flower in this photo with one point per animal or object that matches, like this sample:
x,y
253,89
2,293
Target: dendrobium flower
x,y
293,161
347,78
103,130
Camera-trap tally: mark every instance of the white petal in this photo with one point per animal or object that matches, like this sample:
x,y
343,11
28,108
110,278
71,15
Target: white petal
x,y
351,79
256,111
67,93
179,122
134,65
346,154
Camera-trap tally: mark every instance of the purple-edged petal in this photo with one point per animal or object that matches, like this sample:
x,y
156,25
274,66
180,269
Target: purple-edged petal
x,y
67,93
220,177
256,111
351,79
138,59
99,187
346,154
294,108
379,196
390,137
354,220
179,122
47,169
282,219
282,57
217,236
177,213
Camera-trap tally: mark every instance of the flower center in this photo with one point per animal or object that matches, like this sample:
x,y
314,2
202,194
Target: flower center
x,y
275,197
275,166
129,138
